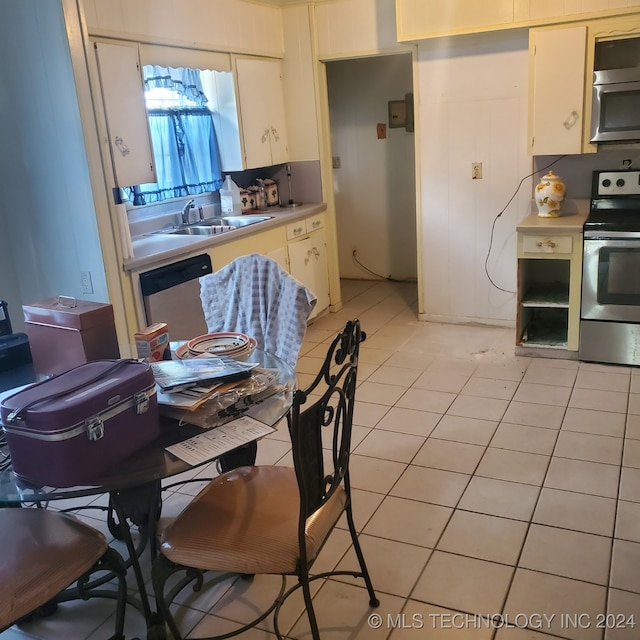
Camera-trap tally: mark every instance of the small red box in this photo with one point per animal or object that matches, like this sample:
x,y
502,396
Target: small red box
x,y
65,332
152,344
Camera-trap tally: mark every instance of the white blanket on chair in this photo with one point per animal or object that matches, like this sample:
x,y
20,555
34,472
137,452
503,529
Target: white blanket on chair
x,y
255,296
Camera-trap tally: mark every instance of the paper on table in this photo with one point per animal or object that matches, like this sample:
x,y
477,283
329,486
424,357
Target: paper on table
x,y
211,444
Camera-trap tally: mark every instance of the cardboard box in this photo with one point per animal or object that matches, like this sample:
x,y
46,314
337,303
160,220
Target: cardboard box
x,y
152,343
65,332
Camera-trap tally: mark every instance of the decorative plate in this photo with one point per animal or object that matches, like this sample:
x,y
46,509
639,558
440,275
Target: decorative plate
x,y
221,344
182,352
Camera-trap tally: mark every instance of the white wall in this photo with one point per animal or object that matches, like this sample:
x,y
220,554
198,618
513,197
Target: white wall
x,y
46,205
374,187
472,108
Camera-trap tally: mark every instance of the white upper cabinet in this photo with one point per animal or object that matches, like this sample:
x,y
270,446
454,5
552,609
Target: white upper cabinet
x,y
262,111
126,116
556,110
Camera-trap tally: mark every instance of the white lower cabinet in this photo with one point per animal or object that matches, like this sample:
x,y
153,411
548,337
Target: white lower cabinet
x,y
299,247
549,270
308,264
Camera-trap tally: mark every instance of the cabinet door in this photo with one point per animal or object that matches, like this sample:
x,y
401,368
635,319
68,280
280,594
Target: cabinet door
x,y
262,111
277,117
308,264
556,115
126,114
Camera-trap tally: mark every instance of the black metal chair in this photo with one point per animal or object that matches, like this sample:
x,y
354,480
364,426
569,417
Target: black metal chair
x,y
43,553
275,519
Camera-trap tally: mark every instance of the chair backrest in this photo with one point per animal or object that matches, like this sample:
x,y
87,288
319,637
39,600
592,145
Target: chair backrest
x,y
256,296
332,413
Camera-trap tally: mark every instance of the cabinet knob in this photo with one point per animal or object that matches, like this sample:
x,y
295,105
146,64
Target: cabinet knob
x,y
546,243
312,253
571,120
121,146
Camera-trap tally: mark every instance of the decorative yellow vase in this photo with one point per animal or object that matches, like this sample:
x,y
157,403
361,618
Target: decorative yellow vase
x,y
549,195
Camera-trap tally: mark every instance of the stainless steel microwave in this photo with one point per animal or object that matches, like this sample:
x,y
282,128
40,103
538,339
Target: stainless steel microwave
x,y
615,111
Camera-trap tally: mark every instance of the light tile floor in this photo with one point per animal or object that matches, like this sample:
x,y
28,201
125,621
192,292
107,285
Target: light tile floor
x,y
489,489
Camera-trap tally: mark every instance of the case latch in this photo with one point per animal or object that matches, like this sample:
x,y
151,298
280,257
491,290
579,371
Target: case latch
x,y
95,428
141,402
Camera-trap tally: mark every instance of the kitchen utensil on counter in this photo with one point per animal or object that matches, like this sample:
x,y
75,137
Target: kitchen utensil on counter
x,y
291,203
273,197
261,194
549,195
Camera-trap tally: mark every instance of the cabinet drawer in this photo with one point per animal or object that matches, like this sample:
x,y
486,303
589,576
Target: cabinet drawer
x,y
314,223
547,244
296,229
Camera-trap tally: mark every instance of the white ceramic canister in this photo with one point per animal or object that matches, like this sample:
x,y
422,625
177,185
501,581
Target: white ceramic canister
x,y
549,195
271,187
247,200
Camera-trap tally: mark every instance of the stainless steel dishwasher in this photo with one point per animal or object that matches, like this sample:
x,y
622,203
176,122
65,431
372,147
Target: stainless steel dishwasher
x,y
171,294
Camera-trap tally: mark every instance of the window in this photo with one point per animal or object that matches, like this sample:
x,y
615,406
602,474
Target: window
x,y
185,146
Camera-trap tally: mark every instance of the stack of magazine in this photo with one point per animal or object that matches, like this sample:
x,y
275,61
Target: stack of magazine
x,y
207,391
188,383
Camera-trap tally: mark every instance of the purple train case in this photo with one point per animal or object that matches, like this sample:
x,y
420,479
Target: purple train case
x,y
70,429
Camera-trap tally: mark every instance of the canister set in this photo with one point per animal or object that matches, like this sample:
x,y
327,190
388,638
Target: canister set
x,y
260,196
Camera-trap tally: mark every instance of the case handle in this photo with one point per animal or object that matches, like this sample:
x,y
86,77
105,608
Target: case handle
x,y
16,413
67,301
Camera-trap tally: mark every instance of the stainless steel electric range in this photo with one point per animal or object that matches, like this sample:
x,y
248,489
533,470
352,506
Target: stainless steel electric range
x,y
610,307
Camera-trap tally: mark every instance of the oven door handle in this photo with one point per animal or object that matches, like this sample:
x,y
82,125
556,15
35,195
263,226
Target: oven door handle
x,y
611,235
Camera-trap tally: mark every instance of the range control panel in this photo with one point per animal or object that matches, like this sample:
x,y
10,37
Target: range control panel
x,y
616,183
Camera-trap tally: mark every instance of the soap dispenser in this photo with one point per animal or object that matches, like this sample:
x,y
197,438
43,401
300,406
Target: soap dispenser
x,y
230,202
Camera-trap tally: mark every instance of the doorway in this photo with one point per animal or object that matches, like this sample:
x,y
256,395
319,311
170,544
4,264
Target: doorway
x,y
373,167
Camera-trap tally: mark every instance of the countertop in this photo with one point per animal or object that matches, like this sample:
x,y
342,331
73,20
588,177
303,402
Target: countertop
x,y
150,250
574,213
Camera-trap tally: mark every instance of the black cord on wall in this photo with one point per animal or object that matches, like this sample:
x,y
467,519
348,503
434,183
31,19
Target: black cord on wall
x,y
354,256
493,226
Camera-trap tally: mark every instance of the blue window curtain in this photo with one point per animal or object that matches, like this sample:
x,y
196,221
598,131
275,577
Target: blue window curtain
x,y
185,146
185,82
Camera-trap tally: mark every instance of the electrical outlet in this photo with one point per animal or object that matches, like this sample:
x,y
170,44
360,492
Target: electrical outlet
x,y
476,170
336,162
87,285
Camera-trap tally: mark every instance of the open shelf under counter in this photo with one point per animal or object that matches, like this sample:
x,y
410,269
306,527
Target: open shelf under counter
x,y
549,282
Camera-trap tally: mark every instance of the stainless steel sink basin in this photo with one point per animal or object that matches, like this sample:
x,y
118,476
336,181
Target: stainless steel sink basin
x,y
198,230
212,226
234,221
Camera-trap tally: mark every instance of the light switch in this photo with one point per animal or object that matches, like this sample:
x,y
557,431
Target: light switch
x,y
381,128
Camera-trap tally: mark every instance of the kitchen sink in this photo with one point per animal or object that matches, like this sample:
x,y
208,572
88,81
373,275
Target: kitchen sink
x,y
234,221
212,226
198,230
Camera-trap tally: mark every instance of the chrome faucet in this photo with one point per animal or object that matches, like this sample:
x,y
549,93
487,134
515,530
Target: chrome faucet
x,y
185,211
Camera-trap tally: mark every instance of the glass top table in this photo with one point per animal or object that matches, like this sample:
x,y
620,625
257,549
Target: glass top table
x,y
154,463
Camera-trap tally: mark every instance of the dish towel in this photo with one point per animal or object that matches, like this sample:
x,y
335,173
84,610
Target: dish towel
x,y
255,296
